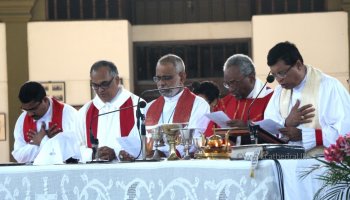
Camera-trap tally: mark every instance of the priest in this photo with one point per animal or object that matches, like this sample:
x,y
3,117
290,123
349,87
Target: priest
x,y
243,87
114,135
313,107
177,105
45,132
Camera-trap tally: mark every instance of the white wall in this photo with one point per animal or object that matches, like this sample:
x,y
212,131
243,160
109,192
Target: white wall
x,y
198,31
4,145
322,39
65,51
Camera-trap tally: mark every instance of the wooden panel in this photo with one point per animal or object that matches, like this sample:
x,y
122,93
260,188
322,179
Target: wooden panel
x,y
139,12
191,8
74,9
164,11
231,10
61,9
243,8
205,14
178,11
87,9
218,9
151,15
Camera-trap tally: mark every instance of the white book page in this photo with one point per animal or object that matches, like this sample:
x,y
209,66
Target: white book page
x,y
219,117
270,126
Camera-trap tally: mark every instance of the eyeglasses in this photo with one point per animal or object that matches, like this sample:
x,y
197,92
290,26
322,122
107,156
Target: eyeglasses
x,y
282,74
164,78
228,84
33,108
104,85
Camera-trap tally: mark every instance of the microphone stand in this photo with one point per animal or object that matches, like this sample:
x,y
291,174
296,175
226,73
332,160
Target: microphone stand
x,y
93,141
253,128
142,129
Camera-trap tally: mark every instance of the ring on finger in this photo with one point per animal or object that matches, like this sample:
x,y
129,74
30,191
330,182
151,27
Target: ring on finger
x,y
302,117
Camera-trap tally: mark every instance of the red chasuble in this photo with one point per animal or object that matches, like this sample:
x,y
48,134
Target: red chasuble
x,y
182,111
238,109
57,112
127,120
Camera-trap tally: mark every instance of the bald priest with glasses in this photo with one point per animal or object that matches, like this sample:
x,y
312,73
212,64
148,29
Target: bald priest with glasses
x,y
313,107
243,87
177,105
106,134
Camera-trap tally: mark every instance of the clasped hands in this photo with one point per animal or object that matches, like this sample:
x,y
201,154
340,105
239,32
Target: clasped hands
x,y
36,137
107,153
298,115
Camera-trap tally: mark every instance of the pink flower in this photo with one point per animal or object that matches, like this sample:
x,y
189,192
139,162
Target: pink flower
x,y
341,142
334,154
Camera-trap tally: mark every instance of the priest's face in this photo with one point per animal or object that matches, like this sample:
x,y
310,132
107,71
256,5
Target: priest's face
x,y
166,76
288,76
104,84
238,85
36,109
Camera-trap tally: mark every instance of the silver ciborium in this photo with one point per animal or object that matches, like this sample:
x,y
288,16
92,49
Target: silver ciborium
x,y
157,136
171,133
187,140
199,141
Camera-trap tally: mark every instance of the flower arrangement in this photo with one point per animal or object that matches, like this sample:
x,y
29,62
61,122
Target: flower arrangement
x,y
336,178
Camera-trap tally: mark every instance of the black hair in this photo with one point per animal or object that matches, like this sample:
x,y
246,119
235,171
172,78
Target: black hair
x,y
285,51
209,89
113,71
31,91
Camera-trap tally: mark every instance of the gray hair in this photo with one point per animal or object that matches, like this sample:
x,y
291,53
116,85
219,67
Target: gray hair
x,y
245,64
113,71
173,59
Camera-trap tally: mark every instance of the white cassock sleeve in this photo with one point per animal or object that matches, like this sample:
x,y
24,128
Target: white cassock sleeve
x,y
24,152
334,113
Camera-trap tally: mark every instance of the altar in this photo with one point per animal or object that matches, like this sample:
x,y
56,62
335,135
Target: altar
x,y
190,179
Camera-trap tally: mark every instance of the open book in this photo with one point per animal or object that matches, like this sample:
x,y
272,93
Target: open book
x,y
267,131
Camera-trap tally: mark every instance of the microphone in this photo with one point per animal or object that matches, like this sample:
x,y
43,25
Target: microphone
x,y
254,128
141,103
141,117
93,140
160,89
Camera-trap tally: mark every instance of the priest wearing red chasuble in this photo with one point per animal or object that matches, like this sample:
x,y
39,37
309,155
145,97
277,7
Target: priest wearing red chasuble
x,y
116,133
45,132
243,87
178,105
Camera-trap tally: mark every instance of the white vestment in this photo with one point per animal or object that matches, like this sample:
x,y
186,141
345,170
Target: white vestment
x,y
197,119
333,111
108,128
24,152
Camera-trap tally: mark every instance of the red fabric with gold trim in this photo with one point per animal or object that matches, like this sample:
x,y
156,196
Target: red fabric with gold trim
x,y
318,136
57,114
182,111
238,109
127,120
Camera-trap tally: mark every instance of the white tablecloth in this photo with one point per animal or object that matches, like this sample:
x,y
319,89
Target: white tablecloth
x,y
192,179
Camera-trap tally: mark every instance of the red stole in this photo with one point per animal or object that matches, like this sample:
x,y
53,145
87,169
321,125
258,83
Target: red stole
x,y
57,112
126,123
238,109
182,111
